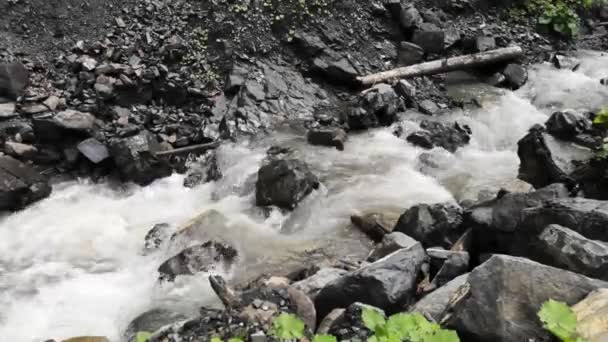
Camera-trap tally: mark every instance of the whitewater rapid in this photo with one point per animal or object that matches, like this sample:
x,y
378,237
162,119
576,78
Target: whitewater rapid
x,y
73,265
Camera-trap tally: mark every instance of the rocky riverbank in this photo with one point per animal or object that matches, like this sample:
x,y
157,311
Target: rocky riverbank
x,y
162,85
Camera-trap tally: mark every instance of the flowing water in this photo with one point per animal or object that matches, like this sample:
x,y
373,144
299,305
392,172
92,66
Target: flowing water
x,y
73,264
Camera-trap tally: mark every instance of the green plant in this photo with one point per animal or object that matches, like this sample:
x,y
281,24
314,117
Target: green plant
x,y
560,18
409,327
560,320
142,336
287,326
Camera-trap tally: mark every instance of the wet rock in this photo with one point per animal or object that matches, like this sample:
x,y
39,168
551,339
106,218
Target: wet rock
x,y
435,304
20,151
592,315
327,137
135,159
347,324
437,134
409,53
156,236
151,321
206,170
7,110
592,179
205,257
428,107
505,295
374,225
358,118
516,75
485,43
587,217
313,284
94,150
567,124
430,38
432,225
545,160
14,78
407,90
284,183
387,283
383,102
564,248
20,185
495,222
409,18
565,62
450,264
54,127
390,243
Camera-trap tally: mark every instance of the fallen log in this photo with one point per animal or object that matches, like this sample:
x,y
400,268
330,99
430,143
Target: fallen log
x,y
189,149
444,65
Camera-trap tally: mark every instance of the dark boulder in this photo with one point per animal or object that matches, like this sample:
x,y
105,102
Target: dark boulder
x,y
390,243
55,127
437,134
151,321
388,283
284,183
358,118
516,75
205,257
409,53
446,265
14,78
564,248
20,185
335,68
592,179
505,294
134,156
567,124
430,38
335,137
432,225
383,102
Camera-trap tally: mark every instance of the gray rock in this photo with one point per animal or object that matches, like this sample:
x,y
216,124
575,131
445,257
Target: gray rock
x,y
432,225
33,108
20,185
428,107
53,102
205,257
374,225
258,337
335,137
485,43
387,283
383,102
390,243
94,150
284,183
20,151
505,295
135,159
409,53
358,118
435,304
14,78
336,68
567,124
437,134
151,321
430,38
516,75
406,89
7,110
564,248
51,126
453,265
156,236
313,284
410,18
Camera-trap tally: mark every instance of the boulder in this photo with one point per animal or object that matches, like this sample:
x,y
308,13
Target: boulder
x,y
430,38
156,236
284,183
20,184
55,127
432,225
374,225
592,315
516,75
313,284
93,150
388,283
592,179
545,160
205,257
409,53
14,78
135,159
565,248
335,67
435,304
151,321
335,137
567,124
505,294
383,102
437,134
428,107
20,151
390,243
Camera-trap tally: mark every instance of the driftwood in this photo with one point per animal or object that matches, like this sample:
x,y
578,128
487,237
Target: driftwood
x,y
444,65
189,149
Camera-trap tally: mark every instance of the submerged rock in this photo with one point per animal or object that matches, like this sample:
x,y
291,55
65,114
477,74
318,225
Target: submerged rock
x,y
327,137
507,292
432,225
20,184
284,183
200,258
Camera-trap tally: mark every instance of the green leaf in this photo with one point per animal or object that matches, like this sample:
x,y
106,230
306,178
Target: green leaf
x,y
559,319
372,318
235,339
216,339
444,336
142,336
602,117
287,327
324,338
545,20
